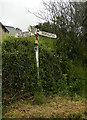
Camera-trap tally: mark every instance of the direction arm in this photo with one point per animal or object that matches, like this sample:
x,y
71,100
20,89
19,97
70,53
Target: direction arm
x,y
43,33
47,34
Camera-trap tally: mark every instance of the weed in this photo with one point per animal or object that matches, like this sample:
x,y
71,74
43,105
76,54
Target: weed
x,y
39,98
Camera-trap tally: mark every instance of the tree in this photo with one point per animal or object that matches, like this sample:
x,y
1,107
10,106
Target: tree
x,y
85,24
68,22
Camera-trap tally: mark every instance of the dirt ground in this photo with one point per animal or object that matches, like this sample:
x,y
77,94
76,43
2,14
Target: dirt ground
x,y
55,107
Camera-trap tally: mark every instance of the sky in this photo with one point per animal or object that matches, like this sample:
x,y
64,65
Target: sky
x,y
15,13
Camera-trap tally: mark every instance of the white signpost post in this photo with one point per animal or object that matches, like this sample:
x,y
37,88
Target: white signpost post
x,y
35,32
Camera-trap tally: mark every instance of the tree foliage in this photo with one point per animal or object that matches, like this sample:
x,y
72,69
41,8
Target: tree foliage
x,y
68,22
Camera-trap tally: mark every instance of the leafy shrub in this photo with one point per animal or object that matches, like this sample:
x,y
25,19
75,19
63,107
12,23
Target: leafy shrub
x,y
58,73
19,69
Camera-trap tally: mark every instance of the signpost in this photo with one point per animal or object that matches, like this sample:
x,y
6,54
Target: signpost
x,y
36,32
37,54
47,34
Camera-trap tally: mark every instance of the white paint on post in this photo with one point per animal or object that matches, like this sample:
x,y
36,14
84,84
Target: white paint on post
x,y
37,58
37,61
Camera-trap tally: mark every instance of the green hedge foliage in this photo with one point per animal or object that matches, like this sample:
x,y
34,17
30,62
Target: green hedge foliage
x,y
58,74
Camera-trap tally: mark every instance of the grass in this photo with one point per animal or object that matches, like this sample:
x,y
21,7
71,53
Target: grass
x,y
54,107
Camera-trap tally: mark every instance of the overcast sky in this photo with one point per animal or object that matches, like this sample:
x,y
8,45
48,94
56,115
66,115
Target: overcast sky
x,y
15,12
